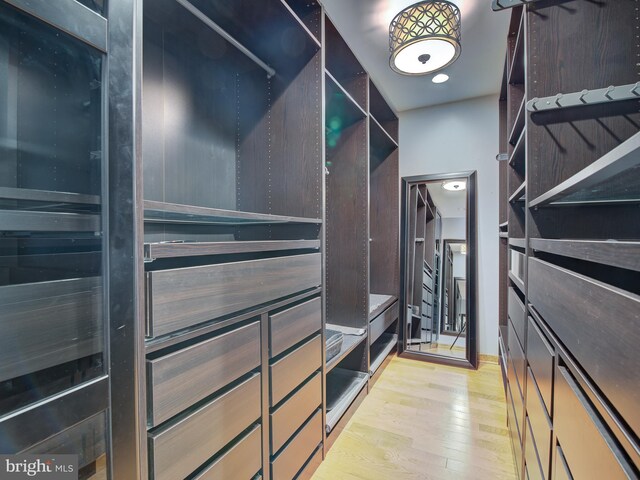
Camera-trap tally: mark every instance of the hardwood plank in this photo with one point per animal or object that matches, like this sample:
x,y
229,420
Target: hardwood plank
x,y
439,422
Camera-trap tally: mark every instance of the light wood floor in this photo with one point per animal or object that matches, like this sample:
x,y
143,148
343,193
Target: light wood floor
x,y
426,421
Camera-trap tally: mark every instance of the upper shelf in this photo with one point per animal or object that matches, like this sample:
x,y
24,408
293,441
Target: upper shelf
x,y
344,66
309,12
161,212
612,179
518,159
382,145
518,124
520,194
382,112
516,72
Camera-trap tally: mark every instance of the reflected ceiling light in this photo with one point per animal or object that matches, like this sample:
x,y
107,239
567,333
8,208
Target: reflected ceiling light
x,y
463,249
455,185
440,78
425,37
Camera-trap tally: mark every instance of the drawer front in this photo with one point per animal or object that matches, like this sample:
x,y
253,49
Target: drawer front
x,y
517,357
516,314
540,356
514,433
587,315
534,471
182,378
540,425
176,451
183,297
383,321
292,413
294,325
242,461
516,263
289,462
516,395
582,434
290,371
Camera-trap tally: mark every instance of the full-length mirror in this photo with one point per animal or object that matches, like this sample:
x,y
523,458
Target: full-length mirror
x,y
439,244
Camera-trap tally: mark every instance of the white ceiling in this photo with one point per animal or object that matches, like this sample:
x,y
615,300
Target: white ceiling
x,y
364,24
450,204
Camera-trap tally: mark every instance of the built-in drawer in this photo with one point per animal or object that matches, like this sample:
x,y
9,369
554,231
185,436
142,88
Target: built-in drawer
x,y
598,324
516,395
517,314
540,356
588,447
383,321
242,461
177,450
516,263
293,325
180,379
290,371
534,471
517,356
292,458
514,432
182,297
292,413
540,424
560,469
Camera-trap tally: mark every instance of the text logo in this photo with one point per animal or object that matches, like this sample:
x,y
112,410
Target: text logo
x,y
46,467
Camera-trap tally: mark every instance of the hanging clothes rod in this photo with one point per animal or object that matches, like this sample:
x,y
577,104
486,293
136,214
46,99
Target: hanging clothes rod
x,y
504,4
585,97
223,33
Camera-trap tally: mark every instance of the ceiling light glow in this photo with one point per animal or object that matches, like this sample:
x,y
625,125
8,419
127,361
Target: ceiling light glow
x,y
440,78
455,185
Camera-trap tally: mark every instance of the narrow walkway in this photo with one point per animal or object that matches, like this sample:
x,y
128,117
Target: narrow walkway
x,y
426,421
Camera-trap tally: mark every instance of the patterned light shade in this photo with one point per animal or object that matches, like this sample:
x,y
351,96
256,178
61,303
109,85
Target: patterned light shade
x,y
425,37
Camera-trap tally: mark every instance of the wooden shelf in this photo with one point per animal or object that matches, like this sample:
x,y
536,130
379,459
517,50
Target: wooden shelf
x,y
48,196
518,124
518,158
35,221
503,225
380,350
342,387
304,10
516,72
612,179
520,194
516,281
382,144
161,212
381,111
504,235
379,303
607,252
153,251
518,242
349,343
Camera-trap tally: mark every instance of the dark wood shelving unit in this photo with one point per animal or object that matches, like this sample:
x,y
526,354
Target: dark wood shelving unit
x,y
157,250
568,304
349,343
612,179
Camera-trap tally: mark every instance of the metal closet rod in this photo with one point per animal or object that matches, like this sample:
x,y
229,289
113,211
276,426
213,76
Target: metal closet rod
x,y
585,97
504,4
223,33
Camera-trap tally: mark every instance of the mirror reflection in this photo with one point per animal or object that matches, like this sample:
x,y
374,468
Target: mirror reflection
x,y
437,256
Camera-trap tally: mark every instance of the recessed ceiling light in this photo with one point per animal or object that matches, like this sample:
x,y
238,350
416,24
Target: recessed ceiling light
x,y
455,185
440,78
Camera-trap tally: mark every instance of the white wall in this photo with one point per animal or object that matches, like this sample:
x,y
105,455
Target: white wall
x,y
458,137
454,228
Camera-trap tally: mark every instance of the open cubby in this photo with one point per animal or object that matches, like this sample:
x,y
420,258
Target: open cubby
x,y
310,13
383,114
343,65
346,210
218,134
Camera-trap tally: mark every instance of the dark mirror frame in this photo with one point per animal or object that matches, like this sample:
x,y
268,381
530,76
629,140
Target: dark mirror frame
x,y
471,360
445,243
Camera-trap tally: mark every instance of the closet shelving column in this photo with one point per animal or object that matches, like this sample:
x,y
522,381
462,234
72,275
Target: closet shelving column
x,y
347,227
583,232
384,275
581,204
512,275
233,213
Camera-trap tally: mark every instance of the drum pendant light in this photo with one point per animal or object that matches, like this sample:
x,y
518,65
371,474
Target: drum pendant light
x,y
425,37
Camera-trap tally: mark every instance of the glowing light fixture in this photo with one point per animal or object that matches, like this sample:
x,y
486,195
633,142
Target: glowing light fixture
x,y
463,249
425,37
440,78
455,185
